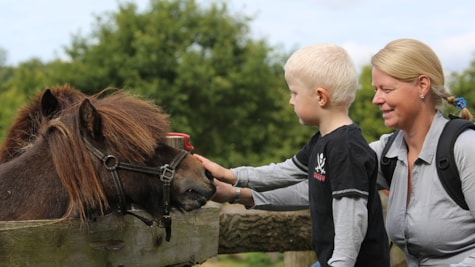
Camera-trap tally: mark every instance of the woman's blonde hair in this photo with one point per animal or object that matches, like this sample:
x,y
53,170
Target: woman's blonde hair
x,y
406,59
328,66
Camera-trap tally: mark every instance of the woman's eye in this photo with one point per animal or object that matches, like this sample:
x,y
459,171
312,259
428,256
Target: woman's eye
x,y
384,90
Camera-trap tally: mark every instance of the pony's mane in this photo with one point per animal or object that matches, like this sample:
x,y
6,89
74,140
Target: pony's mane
x,y
24,129
132,129
132,126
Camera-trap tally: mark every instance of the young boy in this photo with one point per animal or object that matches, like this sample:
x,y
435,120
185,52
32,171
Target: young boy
x,y
337,163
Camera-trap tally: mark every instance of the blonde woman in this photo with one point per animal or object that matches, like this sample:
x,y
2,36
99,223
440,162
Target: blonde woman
x,y
422,219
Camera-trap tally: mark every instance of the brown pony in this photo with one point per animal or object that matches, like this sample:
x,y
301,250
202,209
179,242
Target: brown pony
x,y
24,129
97,156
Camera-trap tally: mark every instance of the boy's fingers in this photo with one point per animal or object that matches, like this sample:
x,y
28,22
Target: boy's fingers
x,y
199,157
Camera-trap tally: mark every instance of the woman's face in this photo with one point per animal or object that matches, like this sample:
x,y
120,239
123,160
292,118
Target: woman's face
x,y
399,101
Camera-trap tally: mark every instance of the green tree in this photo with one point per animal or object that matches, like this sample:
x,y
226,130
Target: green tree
x,y
3,57
201,65
5,72
17,86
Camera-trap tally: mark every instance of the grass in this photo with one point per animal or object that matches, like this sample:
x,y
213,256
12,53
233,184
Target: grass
x,y
250,259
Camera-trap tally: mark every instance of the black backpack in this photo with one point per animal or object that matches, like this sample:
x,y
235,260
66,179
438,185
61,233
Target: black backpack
x,y
446,166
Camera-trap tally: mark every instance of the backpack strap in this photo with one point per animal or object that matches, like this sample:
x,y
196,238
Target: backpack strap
x,y
445,159
388,164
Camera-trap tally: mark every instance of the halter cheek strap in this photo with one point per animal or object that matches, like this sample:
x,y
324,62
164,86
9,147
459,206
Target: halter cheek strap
x,y
166,173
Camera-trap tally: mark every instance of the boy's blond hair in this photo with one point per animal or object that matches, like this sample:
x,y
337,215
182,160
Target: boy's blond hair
x,y
328,66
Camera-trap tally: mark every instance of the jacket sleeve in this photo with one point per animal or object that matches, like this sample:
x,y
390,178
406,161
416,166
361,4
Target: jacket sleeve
x,y
350,216
464,152
280,187
272,176
294,197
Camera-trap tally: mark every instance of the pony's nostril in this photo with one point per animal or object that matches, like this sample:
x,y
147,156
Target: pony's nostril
x,y
208,174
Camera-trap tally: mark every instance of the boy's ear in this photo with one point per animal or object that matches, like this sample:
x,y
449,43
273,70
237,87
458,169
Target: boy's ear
x,y
322,96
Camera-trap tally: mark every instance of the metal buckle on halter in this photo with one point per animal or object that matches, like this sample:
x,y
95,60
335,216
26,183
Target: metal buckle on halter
x,y
110,162
167,173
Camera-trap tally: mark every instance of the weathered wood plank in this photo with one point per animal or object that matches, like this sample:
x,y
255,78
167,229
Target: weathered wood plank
x,y
111,241
244,230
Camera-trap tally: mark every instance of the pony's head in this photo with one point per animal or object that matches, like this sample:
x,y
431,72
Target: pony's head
x,y
97,135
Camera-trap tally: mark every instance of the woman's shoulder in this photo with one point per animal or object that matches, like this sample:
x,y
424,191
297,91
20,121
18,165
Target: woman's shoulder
x,y
378,145
466,141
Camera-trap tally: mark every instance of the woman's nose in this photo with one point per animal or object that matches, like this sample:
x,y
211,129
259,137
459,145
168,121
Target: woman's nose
x,y
377,99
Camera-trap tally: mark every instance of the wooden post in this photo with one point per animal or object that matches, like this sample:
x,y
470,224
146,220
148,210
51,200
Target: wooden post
x,y
176,141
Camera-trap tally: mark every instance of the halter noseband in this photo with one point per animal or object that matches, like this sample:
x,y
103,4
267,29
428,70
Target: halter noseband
x,y
165,172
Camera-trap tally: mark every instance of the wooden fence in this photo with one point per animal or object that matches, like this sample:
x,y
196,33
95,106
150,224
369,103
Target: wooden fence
x,y
113,241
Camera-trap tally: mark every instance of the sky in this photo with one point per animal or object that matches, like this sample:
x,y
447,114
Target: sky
x,y
41,28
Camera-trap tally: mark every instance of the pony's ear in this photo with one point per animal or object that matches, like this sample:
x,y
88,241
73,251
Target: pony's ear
x,y
49,104
90,120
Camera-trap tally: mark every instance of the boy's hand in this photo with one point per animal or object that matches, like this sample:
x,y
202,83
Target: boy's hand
x,y
224,192
218,172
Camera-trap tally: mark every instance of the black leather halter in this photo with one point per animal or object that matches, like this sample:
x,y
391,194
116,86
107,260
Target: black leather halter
x,y
165,172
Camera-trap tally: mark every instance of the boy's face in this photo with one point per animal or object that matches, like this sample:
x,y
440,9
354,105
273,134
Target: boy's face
x,y
304,101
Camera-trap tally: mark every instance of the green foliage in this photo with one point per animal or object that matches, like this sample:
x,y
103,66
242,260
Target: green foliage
x,y
10,101
249,259
3,57
17,85
6,73
259,259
